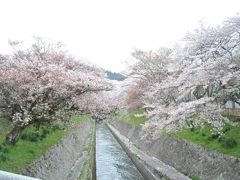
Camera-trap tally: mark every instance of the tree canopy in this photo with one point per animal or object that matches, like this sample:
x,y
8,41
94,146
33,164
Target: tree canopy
x,y
44,83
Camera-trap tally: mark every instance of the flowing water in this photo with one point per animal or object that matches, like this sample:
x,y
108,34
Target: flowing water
x,y
112,162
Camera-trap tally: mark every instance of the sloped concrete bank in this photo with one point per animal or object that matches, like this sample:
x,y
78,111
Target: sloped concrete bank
x,y
186,157
150,167
70,159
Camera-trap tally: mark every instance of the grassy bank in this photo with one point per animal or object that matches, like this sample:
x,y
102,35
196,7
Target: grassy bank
x,y
227,143
135,117
31,145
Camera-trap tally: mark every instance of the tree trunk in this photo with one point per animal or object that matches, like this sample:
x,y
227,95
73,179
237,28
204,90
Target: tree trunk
x,y
14,135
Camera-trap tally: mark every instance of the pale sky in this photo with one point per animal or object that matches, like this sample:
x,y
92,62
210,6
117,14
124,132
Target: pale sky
x,y
105,32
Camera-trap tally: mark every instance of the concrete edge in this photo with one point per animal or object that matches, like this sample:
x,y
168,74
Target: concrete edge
x,y
94,171
143,169
150,167
11,176
88,170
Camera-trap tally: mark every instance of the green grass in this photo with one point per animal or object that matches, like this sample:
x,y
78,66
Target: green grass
x,y
80,118
131,117
228,143
5,127
25,151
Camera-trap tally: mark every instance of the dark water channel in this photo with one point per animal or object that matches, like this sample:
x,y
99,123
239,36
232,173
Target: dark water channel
x,y
112,163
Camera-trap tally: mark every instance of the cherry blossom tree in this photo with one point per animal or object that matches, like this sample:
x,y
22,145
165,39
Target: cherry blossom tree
x,y
151,65
41,84
148,69
197,80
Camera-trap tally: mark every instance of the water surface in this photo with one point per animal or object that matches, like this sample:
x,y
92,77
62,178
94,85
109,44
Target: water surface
x,y
112,163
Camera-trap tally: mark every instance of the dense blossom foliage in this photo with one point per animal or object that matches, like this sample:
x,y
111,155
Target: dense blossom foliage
x,y
197,79
149,68
43,83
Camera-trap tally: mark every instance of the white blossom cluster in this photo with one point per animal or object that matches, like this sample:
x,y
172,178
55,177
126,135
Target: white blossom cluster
x,y
196,80
39,83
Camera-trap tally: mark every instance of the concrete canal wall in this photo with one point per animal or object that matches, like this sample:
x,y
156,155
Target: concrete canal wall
x,y
70,159
185,157
150,167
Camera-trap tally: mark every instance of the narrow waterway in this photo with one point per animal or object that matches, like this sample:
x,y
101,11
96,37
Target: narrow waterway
x,y
112,163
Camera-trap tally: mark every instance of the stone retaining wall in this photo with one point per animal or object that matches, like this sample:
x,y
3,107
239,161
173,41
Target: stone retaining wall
x,y
184,156
66,159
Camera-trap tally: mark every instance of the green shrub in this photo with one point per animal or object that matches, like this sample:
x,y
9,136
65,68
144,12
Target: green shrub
x,y
24,136
46,131
56,127
1,147
213,136
43,136
33,136
209,138
5,150
3,157
31,152
37,136
227,128
227,142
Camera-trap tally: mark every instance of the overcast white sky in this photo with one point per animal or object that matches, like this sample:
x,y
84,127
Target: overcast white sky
x,y
106,31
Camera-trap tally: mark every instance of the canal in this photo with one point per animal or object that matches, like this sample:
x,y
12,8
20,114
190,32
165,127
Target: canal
x,y
112,162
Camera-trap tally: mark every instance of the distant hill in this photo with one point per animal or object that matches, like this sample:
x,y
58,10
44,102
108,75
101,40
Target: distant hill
x,y
115,76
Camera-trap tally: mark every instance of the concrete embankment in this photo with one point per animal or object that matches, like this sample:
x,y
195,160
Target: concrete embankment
x,y
185,157
150,167
71,158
